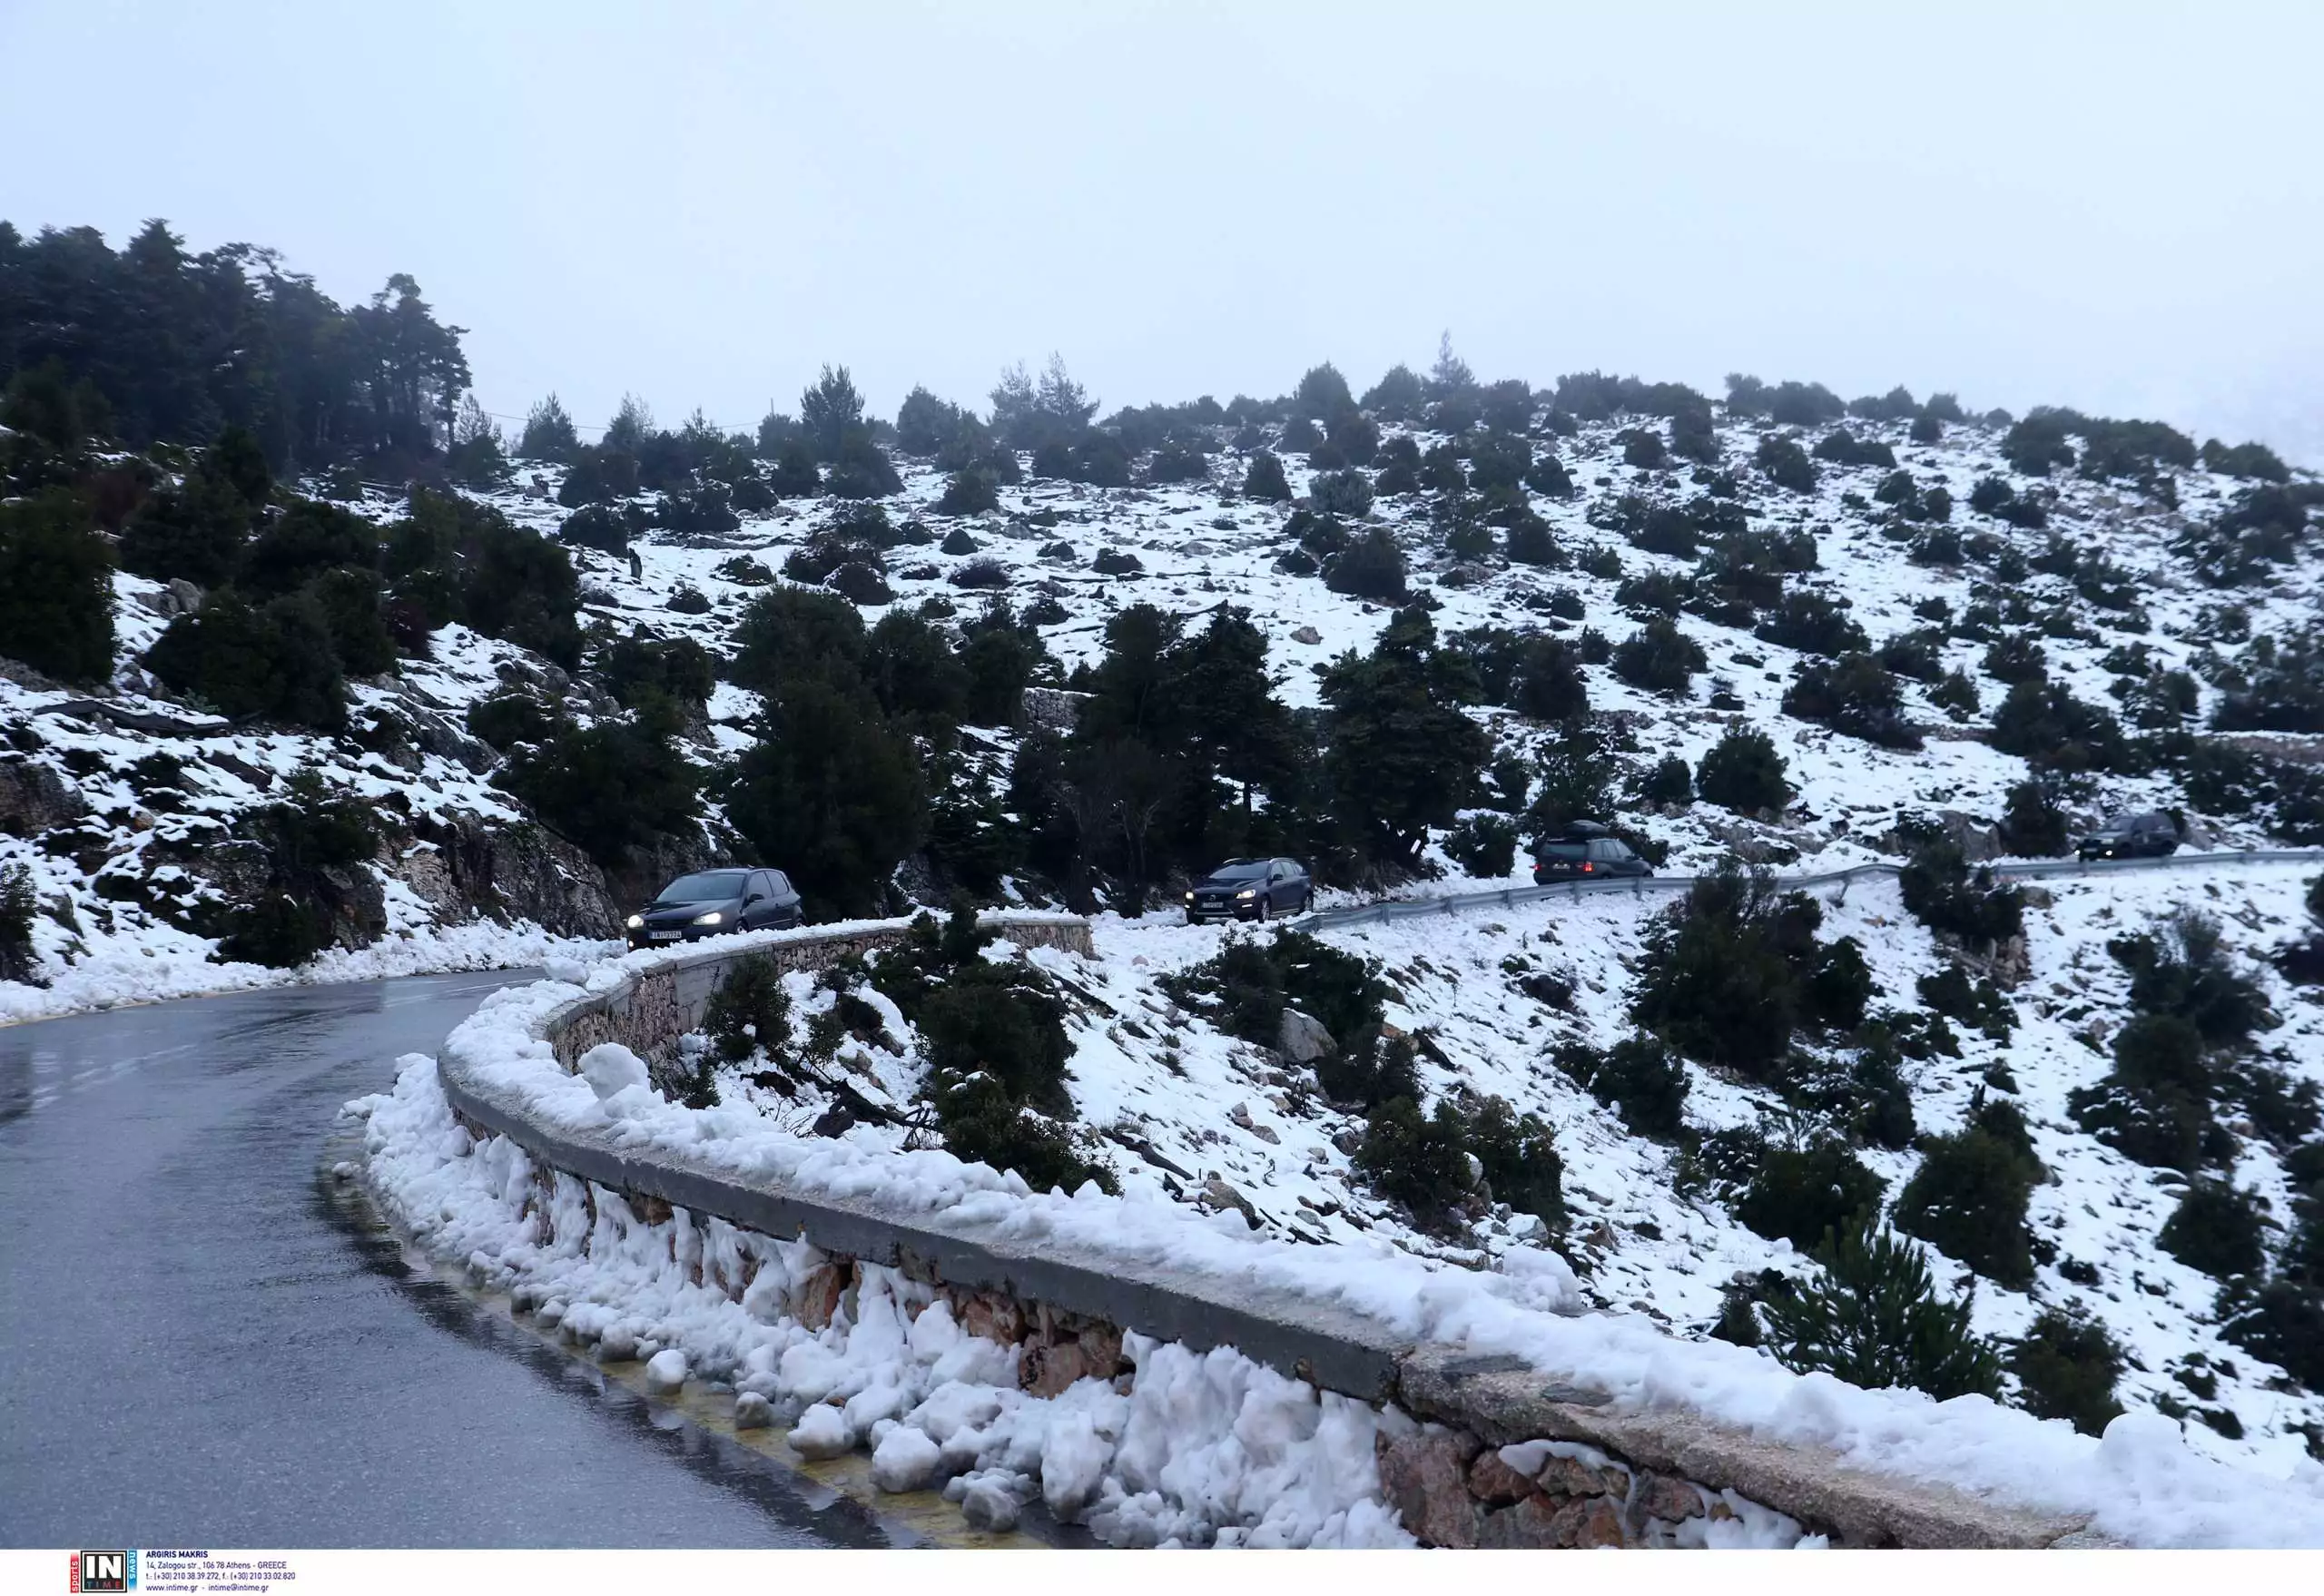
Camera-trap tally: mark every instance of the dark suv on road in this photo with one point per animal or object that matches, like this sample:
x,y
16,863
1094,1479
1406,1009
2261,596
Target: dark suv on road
x,y
1585,850
1250,888
712,902
2153,835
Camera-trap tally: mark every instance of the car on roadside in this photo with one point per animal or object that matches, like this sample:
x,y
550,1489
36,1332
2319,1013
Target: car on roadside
x,y
1585,850
2151,835
714,903
1251,889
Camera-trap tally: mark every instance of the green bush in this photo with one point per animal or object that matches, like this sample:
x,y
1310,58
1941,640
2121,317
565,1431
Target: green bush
x,y
2033,824
464,562
1843,448
831,790
641,667
1785,463
55,588
2283,1322
1874,1319
2154,1106
310,841
1264,479
2067,1365
1728,973
1372,567
197,529
995,1040
1668,783
1659,658
1340,493
506,719
598,526
2245,460
2038,441
989,1017
1642,448
1521,1161
970,492
1743,773
1548,476
606,788
348,600
275,662
981,1125
1244,988
1979,1004
19,961
1856,697
1420,1162
749,1011
2217,1229
1968,1200
1941,892
1813,623
2187,972
1805,1195
1638,1077
1485,845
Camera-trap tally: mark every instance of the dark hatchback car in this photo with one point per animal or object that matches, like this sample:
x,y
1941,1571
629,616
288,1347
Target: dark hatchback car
x,y
2153,835
1250,888
1585,850
712,902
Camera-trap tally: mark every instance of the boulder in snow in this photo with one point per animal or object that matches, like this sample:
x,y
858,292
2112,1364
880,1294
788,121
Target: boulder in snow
x,y
753,1412
667,1372
1303,1039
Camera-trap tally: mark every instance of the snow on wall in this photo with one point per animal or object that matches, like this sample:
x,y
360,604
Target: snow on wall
x,y
2141,1484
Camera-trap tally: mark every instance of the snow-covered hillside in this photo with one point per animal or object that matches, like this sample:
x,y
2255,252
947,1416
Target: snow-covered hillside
x,y
1177,1106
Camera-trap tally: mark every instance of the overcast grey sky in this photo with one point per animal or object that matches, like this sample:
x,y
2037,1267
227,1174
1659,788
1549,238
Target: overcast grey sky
x,y
2118,207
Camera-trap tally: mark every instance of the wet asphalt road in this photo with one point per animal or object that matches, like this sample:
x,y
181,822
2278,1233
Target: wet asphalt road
x,y
200,1347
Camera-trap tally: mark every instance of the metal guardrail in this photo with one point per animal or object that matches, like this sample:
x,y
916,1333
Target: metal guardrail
x,y
1639,886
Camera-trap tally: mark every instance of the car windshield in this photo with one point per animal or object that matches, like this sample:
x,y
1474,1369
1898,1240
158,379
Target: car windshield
x,y
705,886
1569,850
2121,826
1251,871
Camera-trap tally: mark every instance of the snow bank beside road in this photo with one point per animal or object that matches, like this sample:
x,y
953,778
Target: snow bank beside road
x,y
2140,1485
1202,1449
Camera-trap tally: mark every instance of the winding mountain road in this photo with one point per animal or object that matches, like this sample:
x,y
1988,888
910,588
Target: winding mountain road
x,y
201,1344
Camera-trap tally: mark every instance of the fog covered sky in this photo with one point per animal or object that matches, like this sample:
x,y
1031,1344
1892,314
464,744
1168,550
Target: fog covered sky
x,y
2118,207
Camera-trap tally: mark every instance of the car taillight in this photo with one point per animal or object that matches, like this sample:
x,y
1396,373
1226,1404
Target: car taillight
x,y
1586,868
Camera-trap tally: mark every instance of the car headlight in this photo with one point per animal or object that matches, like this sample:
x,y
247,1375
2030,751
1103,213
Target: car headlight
x,y
1248,892
1191,896
635,921
713,918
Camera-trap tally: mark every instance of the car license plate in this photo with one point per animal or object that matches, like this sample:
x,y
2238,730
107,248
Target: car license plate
x,y
663,936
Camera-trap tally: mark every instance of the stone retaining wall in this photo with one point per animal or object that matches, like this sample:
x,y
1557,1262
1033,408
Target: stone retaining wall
x,y
649,1012
1497,1458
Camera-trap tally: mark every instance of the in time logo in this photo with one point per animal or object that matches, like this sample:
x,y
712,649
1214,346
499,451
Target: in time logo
x,y
104,1571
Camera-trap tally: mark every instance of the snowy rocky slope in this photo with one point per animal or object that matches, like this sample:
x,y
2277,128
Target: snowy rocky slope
x,y
1174,1104
1208,1120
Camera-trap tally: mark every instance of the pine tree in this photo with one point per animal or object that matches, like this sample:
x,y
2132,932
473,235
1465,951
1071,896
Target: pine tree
x,y
1400,754
55,588
1873,1318
549,433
